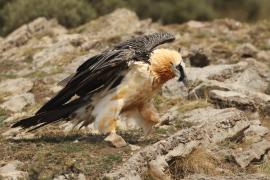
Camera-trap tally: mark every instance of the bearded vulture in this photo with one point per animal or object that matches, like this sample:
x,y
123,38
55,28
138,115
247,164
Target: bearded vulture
x,y
122,79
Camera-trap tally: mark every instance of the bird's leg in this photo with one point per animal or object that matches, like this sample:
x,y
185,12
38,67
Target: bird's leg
x,y
106,122
150,117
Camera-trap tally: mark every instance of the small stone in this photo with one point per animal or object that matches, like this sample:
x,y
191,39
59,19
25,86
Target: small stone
x,y
18,102
81,177
263,55
11,132
247,50
157,167
116,140
9,171
61,177
134,147
16,86
15,116
195,24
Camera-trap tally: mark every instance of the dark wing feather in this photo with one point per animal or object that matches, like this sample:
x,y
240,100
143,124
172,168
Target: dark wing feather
x,y
103,71
144,45
89,79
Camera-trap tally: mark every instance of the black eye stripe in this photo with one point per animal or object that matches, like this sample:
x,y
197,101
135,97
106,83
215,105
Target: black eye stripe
x,y
181,70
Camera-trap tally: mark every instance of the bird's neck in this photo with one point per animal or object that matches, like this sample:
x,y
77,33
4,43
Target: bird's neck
x,y
162,73
161,64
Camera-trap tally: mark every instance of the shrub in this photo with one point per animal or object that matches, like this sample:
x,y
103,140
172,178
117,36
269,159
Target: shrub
x,y
173,12
70,13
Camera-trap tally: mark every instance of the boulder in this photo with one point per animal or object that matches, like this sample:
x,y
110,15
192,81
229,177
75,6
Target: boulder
x,y
254,153
255,133
248,98
52,52
251,79
38,27
224,99
154,158
118,23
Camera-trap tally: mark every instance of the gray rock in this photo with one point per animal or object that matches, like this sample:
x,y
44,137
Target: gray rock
x,y
22,35
256,130
182,143
263,56
247,50
224,99
206,115
214,72
134,147
18,102
251,79
16,86
255,152
197,76
118,23
71,68
261,100
195,24
174,89
255,133
10,172
49,54
81,177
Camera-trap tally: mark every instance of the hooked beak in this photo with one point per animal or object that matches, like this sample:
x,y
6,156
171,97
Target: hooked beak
x,y
185,82
184,79
182,75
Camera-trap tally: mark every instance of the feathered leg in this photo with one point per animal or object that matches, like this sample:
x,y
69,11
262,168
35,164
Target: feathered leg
x,y
107,113
150,116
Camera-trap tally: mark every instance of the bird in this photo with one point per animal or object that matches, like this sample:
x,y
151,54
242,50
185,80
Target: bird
x,y
120,80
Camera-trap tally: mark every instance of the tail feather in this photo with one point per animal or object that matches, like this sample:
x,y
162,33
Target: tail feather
x,y
42,119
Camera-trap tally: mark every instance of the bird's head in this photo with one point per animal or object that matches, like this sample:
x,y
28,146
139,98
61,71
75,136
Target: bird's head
x,y
167,64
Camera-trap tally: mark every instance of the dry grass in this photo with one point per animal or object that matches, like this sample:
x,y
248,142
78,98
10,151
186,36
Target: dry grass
x,y
264,167
199,161
163,104
186,106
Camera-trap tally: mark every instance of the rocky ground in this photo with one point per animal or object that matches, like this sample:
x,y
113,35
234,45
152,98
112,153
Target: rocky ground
x,y
218,128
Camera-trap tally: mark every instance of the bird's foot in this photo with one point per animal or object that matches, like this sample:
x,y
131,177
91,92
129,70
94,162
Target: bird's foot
x,y
115,140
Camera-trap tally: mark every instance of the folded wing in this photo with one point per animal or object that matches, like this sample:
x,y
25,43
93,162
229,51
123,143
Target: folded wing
x,y
101,72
